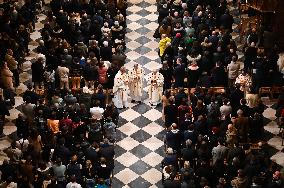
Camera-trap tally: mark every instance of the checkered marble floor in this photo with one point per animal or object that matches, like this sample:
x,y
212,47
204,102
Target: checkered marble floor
x,y
140,147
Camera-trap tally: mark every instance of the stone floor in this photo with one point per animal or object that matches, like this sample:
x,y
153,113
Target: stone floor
x,y
140,146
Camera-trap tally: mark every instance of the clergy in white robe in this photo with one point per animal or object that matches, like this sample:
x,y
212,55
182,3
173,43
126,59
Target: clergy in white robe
x,y
136,76
155,82
120,89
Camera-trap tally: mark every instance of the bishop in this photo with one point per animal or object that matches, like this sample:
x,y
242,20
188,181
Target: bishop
x,y
120,89
136,76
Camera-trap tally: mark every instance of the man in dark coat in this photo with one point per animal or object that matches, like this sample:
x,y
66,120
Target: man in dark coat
x,y
106,51
172,138
250,56
179,73
227,20
38,72
171,113
219,76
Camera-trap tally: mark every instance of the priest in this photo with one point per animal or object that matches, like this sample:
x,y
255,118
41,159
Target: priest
x,y
136,75
155,82
120,89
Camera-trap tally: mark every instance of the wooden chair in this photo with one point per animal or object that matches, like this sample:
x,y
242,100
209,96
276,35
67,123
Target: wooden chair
x,y
276,90
218,90
265,90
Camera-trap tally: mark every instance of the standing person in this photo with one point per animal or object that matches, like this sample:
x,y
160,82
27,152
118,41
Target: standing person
x,y
38,72
167,73
155,82
233,71
3,112
73,183
136,83
63,73
13,66
7,77
120,88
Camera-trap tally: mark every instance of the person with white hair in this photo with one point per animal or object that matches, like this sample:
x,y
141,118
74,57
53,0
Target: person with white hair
x,y
136,75
106,51
155,82
121,89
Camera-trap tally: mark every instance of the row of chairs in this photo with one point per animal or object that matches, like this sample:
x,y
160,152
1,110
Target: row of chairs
x,y
215,90
271,91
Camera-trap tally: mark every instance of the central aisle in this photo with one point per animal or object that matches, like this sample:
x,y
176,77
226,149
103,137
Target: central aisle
x,y
140,146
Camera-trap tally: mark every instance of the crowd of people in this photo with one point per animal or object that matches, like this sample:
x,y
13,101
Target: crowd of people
x,y
67,129
211,107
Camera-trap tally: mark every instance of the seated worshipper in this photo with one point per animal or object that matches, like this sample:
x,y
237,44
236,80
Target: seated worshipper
x,y
155,81
136,76
120,89
96,111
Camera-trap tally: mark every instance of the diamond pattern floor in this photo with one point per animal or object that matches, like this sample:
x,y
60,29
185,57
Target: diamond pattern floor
x,y
140,146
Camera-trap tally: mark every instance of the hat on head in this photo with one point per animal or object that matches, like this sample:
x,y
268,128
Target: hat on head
x,y
214,130
178,35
